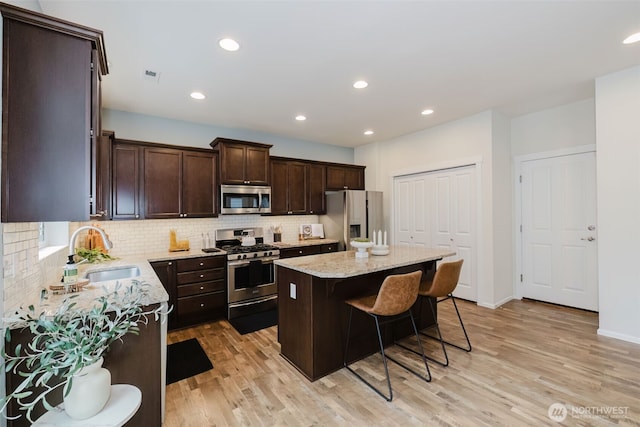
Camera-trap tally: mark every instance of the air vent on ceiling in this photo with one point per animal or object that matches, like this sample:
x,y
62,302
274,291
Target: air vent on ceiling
x,y
151,75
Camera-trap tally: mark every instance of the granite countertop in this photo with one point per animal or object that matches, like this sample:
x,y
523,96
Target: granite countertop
x,y
335,265
86,297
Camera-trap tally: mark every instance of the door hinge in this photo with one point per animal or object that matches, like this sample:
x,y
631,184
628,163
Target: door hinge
x,y
521,228
521,278
91,65
520,179
90,132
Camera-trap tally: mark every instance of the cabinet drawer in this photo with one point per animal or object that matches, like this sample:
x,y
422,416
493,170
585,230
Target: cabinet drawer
x,y
200,276
201,303
200,288
203,263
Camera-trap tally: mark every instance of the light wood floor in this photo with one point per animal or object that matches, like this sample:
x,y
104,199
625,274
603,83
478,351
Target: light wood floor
x,y
526,356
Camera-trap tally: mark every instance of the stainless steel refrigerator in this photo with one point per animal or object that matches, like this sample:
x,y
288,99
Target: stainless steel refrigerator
x,y
352,214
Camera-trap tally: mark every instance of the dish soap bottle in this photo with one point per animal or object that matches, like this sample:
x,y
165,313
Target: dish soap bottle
x,y
70,272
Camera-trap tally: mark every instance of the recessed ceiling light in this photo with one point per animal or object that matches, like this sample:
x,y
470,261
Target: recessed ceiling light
x,y
633,38
427,112
360,84
229,44
197,95
301,118
368,132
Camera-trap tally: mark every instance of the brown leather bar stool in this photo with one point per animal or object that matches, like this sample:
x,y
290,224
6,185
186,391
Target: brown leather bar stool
x,y
392,302
442,286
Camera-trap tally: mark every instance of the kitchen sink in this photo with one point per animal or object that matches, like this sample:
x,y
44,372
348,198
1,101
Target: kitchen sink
x,y
113,273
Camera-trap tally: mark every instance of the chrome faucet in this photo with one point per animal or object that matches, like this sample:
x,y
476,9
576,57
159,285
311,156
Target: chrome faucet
x,y
72,242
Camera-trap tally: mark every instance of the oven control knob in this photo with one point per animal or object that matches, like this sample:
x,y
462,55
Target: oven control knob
x,y
255,255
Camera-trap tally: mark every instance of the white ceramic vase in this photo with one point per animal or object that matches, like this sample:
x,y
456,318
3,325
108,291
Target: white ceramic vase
x,y
89,392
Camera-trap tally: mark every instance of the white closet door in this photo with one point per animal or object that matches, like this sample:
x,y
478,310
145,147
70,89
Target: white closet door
x,y
559,250
411,224
437,209
454,220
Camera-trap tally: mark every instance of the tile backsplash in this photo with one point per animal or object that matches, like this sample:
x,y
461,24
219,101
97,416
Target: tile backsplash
x,y
25,274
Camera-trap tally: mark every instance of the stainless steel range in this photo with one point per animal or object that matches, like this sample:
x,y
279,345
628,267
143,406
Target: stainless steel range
x,y
251,285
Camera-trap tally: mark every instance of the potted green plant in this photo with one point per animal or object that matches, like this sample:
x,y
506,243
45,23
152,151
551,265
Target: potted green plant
x,y
67,341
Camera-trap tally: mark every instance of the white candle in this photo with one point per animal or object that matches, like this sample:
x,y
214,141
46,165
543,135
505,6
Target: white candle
x,y
385,237
379,237
374,237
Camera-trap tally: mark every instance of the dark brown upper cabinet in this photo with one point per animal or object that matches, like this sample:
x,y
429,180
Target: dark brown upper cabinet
x,y
317,185
50,102
343,177
242,162
127,172
179,183
289,187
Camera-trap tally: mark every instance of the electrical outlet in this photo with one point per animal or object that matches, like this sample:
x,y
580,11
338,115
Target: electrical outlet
x,y
292,290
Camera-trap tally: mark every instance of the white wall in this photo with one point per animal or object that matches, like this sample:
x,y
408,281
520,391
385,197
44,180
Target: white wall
x,y
553,129
501,206
177,132
465,141
618,176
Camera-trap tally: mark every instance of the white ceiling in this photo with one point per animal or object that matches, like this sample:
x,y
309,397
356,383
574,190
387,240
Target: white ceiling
x,y
301,57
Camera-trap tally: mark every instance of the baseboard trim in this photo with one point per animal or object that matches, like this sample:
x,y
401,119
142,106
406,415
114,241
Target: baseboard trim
x,y
619,336
495,305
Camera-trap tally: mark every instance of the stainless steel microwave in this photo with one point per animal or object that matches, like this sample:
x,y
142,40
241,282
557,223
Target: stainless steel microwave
x,y
245,199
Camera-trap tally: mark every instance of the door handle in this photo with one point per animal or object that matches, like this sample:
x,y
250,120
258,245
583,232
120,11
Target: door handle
x,y
590,238
591,227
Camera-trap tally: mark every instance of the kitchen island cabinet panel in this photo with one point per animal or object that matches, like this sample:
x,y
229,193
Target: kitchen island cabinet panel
x,y
312,320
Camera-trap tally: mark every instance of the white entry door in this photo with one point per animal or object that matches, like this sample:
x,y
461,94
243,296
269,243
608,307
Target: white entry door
x,y
437,209
559,246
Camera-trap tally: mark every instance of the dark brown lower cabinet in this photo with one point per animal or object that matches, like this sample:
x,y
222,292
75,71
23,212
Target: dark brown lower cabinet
x,y
308,250
197,289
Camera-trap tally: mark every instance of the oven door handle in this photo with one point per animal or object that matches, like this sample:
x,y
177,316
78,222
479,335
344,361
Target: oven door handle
x,y
255,302
238,263
267,260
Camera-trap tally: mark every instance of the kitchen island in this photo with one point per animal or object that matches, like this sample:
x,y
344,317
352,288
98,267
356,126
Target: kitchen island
x,y
312,315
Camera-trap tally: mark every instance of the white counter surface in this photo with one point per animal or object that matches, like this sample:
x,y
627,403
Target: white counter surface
x,y
335,265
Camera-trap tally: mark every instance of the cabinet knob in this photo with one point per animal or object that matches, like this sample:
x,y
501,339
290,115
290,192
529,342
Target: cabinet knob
x,y
170,263
201,288
201,276
201,305
137,216
201,264
299,252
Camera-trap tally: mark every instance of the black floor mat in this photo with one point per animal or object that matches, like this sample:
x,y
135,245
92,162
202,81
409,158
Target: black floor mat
x,y
255,322
186,359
